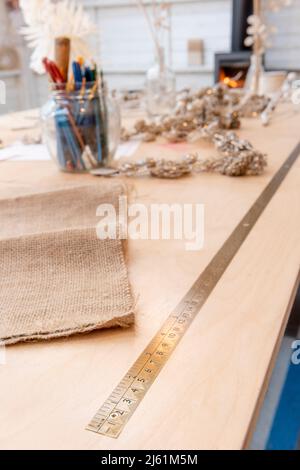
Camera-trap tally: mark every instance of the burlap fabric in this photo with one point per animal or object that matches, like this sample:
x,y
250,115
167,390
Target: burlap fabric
x,y
56,277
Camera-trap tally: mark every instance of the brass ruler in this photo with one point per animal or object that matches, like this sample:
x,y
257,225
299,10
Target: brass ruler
x,y
115,412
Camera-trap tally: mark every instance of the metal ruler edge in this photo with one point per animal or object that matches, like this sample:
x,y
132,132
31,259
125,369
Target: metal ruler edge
x,y
115,412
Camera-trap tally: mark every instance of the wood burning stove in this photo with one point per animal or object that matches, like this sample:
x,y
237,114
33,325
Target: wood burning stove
x,y
232,67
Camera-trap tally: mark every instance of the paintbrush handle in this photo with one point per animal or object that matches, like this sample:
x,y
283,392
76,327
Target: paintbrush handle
x,y
62,56
75,129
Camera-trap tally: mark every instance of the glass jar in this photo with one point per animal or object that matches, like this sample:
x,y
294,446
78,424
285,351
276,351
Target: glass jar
x,y
160,87
81,128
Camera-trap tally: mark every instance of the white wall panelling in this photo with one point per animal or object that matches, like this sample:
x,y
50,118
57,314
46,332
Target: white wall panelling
x,y
127,49
285,50
12,80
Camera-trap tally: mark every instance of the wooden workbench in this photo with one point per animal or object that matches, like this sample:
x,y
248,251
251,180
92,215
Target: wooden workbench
x,y
210,391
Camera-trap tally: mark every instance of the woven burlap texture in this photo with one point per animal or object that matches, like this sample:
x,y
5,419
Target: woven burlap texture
x,y
56,277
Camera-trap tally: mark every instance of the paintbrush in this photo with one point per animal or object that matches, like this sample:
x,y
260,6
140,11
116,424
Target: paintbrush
x,y
87,155
62,56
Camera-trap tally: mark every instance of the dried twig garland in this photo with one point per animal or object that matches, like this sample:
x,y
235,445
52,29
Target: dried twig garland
x,y
210,113
194,111
237,157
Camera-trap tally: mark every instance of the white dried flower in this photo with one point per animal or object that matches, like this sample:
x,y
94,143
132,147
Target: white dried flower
x,y
258,31
45,21
158,18
36,11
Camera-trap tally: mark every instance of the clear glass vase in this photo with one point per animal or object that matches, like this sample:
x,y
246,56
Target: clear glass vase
x,y
81,128
160,87
254,75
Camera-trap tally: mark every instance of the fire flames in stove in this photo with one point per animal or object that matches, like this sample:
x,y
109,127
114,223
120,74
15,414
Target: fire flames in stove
x,y
232,78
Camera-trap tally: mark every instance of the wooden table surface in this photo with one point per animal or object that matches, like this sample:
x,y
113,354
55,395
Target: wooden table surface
x,y
210,391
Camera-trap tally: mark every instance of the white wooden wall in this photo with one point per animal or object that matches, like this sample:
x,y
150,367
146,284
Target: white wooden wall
x,y
127,49
124,45
285,50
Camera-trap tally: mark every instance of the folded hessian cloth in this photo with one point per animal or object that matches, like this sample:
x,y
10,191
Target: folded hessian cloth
x,y
56,277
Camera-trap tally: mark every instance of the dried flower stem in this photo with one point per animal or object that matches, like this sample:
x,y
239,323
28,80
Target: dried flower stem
x,y
256,49
158,17
153,32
